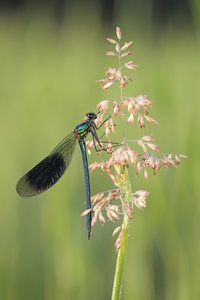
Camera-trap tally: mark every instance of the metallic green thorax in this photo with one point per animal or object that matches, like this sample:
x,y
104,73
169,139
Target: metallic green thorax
x,y
82,129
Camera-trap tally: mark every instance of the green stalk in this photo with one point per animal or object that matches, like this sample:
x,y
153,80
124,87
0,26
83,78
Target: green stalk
x,y
119,270
125,189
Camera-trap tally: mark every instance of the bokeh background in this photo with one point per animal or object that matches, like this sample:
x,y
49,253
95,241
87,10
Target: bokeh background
x,y
51,54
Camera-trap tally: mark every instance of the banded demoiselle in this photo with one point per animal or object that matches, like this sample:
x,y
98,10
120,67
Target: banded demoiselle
x,y
47,172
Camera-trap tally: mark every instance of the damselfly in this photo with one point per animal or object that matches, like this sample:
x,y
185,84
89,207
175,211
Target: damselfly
x,y
47,172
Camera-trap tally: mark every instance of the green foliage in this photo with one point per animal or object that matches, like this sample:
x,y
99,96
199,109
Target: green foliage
x,y
47,85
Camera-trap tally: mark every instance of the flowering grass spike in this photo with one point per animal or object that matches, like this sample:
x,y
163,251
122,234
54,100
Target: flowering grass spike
x,y
121,200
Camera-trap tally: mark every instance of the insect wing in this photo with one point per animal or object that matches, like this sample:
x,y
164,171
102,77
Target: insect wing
x,y
47,172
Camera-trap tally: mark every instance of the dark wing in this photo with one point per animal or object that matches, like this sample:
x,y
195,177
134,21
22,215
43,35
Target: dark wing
x,y
47,172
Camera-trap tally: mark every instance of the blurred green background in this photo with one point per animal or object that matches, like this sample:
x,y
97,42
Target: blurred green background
x,y
48,73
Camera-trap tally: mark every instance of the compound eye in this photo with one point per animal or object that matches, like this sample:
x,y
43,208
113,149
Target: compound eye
x,y
91,116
